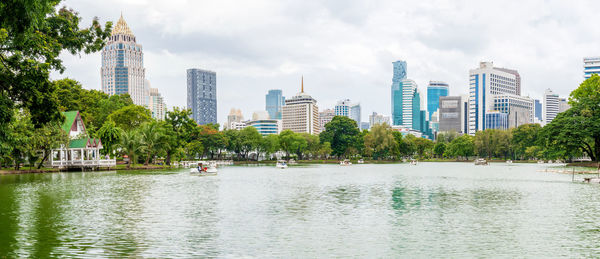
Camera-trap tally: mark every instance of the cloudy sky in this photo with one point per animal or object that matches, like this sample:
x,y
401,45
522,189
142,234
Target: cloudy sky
x,y
345,49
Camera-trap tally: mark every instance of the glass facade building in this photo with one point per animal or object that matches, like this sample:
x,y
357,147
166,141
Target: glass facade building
x,y
266,127
591,65
274,100
202,95
435,90
538,109
397,94
496,120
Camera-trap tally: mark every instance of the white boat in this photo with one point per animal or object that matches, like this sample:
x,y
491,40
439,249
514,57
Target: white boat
x,y
360,161
509,161
540,161
413,162
481,161
345,162
209,171
292,162
281,165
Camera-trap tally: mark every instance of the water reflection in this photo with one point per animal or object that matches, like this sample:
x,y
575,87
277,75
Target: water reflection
x,y
8,218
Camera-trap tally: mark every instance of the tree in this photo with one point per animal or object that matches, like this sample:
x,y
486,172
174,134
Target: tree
x,y
130,117
109,134
46,138
131,145
153,139
212,139
461,147
180,128
523,137
380,141
250,140
313,144
325,150
291,142
194,149
343,133
32,36
439,149
446,137
233,142
423,146
269,144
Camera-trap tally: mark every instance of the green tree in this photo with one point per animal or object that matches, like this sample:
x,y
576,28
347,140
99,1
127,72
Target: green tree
x,y
439,149
462,146
313,145
380,141
446,137
269,144
180,128
233,142
423,147
46,138
109,134
343,134
32,36
523,137
325,150
291,142
194,149
250,140
131,145
153,139
130,117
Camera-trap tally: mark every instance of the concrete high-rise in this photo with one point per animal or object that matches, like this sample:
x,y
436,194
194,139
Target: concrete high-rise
x,y
274,100
156,104
563,105
551,106
435,90
591,65
300,113
484,83
325,117
452,115
375,119
123,69
202,95
519,109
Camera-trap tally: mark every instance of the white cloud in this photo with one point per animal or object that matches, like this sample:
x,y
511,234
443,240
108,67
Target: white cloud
x,y
344,49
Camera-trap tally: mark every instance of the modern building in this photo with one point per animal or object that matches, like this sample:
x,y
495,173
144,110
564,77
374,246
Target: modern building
x,y
364,126
397,94
300,113
517,78
156,104
452,114
234,118
375,119
348,109
123,69
202,95
563,105
417,116
435,90
274,100
325,117
485,82
263,124
551,106
537,106
496,120
591,65
520,109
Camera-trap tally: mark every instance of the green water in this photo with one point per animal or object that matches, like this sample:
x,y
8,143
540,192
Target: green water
x,y
393,210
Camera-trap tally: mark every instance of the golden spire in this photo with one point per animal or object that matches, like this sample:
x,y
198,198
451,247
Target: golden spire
x,y
121,27
302,89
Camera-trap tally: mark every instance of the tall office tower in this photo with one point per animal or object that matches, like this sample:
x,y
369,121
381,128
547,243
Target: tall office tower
x,y
435,90
274,100
325,117
156,104
397,94
519,109
375,119
551,104
563,105
300,113
235,117
537,106
202,95
485,82
122,69
451,114
417,119
517,78
348,109
591,65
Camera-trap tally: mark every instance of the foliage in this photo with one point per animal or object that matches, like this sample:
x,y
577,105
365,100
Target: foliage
x,y
131,145
380,141
343,134
130,117
462,146
109,134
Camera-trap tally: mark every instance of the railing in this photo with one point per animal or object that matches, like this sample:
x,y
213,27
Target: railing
x,y
84,163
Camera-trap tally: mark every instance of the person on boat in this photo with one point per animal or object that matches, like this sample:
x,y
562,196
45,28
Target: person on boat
x,y
200,168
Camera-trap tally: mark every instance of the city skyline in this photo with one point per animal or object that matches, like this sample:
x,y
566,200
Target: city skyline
x,y
434,51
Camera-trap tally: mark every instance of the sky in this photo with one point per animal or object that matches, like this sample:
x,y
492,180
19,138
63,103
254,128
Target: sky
x,y
344,48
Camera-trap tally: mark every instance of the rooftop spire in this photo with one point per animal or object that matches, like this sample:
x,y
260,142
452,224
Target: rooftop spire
x,y
121,27
302,87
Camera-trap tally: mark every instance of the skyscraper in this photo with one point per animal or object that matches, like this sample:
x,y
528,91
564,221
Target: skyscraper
x,y
563,105
399,74
123,69
451,114
156,104
274,100
485,82
591,65
300,113
551,106
325,117
202,95
348,109
538,109
375,119
435,90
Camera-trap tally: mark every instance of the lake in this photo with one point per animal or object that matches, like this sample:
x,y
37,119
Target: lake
x,y
308,211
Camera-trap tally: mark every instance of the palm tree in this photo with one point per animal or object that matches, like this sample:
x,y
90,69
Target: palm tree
x,y
153,138
130,144
109,133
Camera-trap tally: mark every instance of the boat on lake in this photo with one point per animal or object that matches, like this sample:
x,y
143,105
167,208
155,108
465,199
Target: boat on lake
x,y
281,165
360,161
509,161
345,162
481,161
205,169
413,162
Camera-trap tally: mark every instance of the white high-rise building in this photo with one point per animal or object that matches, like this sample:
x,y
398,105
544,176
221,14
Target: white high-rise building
x,y
375,119
591,65
563,105
300,113
123,69
485,82
325,117
348,109
551,106
234,118
520,109
410,97
156,104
